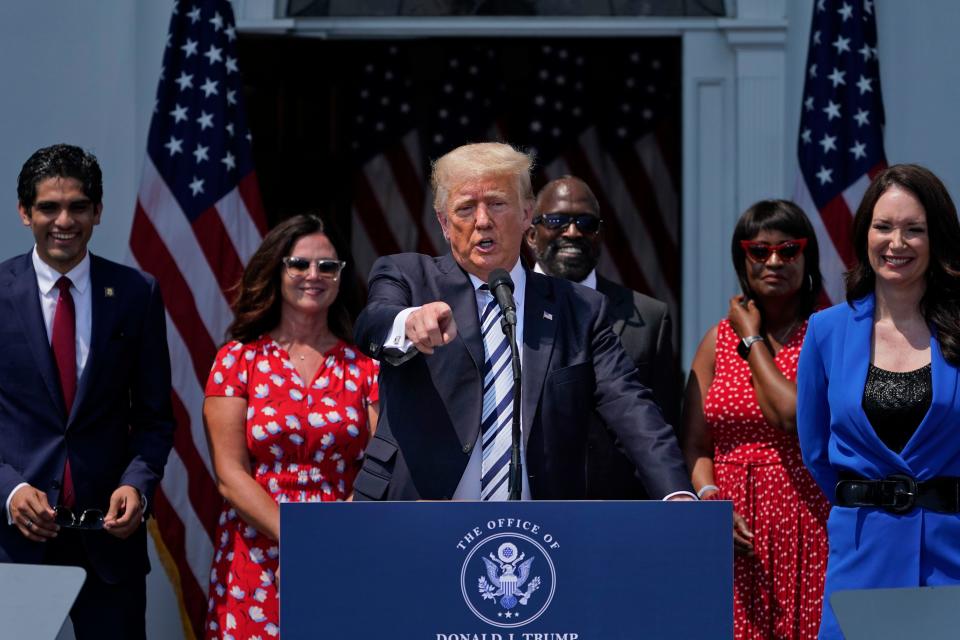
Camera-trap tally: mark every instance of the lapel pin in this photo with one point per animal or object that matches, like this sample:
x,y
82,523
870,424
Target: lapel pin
x,y
547,315
108,292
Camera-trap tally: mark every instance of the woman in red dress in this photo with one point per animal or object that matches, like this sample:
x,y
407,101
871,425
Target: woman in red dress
x,y
740,426
290,407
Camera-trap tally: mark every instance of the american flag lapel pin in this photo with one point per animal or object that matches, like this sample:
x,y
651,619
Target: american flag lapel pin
x,y
547,315
108,292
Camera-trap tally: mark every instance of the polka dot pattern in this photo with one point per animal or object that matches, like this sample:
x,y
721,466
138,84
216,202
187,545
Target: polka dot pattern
x,y
306,444
778,592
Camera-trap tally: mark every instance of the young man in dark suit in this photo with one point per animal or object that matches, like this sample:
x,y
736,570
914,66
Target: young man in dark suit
x,y
433,326
85,415
566,238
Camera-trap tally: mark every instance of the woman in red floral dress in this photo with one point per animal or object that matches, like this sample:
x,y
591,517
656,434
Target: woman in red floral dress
x,y
740,427
290,407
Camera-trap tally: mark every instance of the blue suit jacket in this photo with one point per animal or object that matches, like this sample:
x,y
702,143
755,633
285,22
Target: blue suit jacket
x,y
573,364
120,429
870,547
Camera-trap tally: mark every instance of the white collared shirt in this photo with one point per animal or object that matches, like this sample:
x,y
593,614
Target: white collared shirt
x,y
47,278
590,281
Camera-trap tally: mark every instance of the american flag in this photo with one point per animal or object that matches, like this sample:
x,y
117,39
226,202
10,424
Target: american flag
x,y
197,221
605,111
841,129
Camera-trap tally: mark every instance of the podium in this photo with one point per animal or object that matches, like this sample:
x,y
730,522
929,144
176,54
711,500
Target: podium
x,y
931,613
36,599
506,570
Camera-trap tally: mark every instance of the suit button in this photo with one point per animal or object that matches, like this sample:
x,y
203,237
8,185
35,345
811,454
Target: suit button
x,y
373,347
467,448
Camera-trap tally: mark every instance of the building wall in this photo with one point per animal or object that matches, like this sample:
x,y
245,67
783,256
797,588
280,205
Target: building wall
x,y
86,73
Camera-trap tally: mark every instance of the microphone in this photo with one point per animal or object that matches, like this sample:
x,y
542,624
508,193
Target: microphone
x,y
501,286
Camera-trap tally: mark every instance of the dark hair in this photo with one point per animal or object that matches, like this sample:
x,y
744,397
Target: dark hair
x,y
59,161
258,302
940,304
788,218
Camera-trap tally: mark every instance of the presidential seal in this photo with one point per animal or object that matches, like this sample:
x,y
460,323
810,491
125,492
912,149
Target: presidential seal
x,y
508,580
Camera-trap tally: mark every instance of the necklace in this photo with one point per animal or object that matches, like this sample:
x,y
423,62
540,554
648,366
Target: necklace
x,y
785,334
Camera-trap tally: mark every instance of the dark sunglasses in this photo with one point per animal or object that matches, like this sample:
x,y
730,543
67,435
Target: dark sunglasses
x,y
299,267
760,252
586,222
90,519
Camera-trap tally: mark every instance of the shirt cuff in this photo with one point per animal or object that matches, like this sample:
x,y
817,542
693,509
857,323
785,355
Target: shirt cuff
x,y
398,332
10,497
680,493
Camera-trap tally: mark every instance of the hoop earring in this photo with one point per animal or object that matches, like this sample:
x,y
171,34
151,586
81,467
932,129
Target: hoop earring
x,y
810,282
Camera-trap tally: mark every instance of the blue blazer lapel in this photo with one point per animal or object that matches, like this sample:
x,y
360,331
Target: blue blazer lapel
x,y
934,440
539,328
26,300
103,311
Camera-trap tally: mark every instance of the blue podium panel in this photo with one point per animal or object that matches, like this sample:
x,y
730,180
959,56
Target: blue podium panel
x,y
507,570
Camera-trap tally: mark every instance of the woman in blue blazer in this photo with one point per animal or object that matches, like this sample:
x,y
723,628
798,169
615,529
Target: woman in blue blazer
x,y
878,406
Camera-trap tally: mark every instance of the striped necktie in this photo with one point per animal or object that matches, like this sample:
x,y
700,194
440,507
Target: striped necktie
x,y
496,418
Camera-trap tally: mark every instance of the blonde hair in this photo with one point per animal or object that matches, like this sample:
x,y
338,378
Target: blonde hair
x,y
476,161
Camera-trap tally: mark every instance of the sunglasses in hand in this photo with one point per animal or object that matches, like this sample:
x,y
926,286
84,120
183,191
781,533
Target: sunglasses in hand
x,y
760,252
587,223
90,519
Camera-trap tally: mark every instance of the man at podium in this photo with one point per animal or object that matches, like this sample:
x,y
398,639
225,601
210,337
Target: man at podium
x,y
447,387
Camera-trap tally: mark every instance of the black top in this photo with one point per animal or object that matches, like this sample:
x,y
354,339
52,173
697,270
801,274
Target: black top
x,y
896,402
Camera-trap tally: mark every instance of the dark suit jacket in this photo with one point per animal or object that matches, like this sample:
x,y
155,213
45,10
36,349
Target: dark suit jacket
x,y
643,325
573,364
120,429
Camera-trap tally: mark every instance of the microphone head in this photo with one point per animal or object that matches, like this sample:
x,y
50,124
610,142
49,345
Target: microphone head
x,y
499,278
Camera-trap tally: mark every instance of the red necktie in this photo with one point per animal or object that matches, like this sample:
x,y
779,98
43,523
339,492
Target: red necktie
x,y
64,343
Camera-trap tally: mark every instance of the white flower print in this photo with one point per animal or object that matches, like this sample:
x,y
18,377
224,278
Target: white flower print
x,y
277,379
319,456
274,485
242,377
231,621
293,422
316,420
256,555
330,402
326,488
260,595
228,391
352,413
266,578
349,354
261,391
273,552
322,382
249,532
353,430
251,412
341,465
218,377
315,474
326,440
296,395
354,370
228,360
350,385
237,592
213,575
297,380
258,433
296,439
333,416
303,477
338,371
220,589
256,614
272,629
268,411
250,355
263,366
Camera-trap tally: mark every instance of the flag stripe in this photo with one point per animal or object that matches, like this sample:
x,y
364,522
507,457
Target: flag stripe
x,y
214,241
614,237
151,252
173,533
203,492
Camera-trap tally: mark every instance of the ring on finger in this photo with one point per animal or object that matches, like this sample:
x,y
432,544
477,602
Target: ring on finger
x,y
29,524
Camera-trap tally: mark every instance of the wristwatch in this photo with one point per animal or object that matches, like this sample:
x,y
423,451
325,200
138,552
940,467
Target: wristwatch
x,y
743,347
